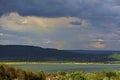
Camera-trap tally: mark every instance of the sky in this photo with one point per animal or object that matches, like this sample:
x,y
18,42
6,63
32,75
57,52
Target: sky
x,y
61,24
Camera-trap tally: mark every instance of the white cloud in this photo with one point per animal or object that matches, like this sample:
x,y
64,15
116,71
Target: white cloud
x,y
15,22
98,45
1,34
47,41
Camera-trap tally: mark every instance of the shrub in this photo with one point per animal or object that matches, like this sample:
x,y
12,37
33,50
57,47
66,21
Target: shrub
x,y
79,77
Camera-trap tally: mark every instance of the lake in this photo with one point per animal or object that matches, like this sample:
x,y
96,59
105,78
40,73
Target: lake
x,y
54,67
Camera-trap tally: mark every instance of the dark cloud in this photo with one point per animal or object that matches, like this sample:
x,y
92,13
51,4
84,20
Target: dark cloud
x,y
97,12
46,8
75,23
58,8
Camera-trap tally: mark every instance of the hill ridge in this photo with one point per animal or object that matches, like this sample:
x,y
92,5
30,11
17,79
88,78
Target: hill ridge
x,y
33,53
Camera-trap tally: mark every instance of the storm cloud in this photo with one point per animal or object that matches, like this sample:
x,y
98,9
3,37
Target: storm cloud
x,y
63,24
97,12
61,8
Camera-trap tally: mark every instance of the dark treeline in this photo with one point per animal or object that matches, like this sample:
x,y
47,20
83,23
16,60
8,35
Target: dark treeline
x,y
31,53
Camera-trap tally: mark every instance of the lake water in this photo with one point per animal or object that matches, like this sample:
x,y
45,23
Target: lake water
x,y
54,67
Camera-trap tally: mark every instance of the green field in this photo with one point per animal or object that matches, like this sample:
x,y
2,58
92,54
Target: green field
x,y
54,67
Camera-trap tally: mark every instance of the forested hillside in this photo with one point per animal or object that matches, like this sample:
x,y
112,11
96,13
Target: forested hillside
x,y
31,53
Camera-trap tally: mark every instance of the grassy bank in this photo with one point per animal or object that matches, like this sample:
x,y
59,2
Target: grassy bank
x,y
50,62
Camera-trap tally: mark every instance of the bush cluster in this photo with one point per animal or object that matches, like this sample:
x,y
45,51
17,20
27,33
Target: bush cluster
x,y
104,75
11,73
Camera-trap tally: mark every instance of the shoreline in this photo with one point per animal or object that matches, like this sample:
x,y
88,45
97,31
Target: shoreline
x,y
57,63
